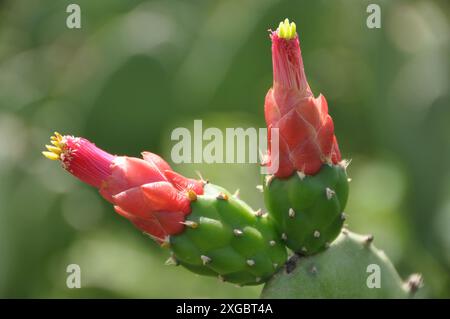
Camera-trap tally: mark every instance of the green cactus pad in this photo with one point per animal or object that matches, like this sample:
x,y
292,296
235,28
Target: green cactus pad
x,y
225,238
308,210
351,268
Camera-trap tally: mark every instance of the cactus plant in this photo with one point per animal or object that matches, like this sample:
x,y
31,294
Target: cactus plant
x,y
307,194
212,232
352,267
209,230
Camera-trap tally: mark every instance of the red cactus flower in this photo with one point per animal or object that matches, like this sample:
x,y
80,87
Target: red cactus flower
x,y
146,191
306,131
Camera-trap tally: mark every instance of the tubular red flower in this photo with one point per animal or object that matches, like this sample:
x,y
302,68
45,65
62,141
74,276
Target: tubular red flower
x,y
81,158
287,62
306,130
145,191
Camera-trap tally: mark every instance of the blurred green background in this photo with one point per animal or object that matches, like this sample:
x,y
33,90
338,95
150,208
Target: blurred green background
x,y
138,69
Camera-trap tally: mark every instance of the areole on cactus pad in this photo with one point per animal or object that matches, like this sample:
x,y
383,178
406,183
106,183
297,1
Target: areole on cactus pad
x,y
307,194
208,230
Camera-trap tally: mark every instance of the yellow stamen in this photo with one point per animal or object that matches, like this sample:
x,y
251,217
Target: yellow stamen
x,y
287,30
51,155
281,30
54,152
293,29
54,149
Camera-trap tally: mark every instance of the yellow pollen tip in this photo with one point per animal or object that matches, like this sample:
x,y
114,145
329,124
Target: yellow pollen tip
x,y
51,155
287,30
55,150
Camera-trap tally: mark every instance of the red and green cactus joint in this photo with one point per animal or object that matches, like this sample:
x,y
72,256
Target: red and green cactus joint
x,y
307,193
227,239
308,210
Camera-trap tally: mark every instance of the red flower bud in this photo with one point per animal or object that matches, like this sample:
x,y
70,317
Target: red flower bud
x,y
306,131
146,191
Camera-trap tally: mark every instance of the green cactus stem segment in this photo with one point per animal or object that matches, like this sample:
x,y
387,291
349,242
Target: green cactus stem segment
x,y
308,210
345,270
230,241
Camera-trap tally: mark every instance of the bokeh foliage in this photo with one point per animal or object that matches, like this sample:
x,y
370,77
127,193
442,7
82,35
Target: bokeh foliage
x,y
138,69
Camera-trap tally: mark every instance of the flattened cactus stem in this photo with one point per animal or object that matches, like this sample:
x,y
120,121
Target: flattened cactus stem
x,y
341,271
